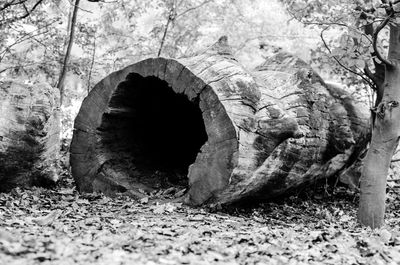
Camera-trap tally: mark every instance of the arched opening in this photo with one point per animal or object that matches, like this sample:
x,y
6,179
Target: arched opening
x,y
151,134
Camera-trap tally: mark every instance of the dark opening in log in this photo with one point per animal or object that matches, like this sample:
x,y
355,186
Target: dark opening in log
x,y
155,130
151,125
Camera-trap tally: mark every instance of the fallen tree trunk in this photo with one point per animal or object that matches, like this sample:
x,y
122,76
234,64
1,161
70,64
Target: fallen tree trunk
x,y
232,134
29,135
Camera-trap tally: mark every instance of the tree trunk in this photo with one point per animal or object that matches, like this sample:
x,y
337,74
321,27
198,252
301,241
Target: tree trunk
x,y
385,136
230,133
29,135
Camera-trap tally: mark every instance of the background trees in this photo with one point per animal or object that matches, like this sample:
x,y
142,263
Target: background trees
x,y
339,38
112,34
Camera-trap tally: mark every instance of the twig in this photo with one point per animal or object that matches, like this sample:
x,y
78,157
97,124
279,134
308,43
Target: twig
x,y
20,40
38,41
194,8
26,65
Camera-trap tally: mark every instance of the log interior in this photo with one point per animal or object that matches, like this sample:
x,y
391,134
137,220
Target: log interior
x,y
151,133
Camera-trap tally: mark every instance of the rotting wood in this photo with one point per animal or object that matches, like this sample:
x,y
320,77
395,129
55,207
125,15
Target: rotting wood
x,y
29,134
260,134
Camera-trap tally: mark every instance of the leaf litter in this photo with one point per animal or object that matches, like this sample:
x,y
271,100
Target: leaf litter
x,y
61,226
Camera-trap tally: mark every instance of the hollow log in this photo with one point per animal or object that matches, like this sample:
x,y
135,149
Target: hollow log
x,y
229,133
29,134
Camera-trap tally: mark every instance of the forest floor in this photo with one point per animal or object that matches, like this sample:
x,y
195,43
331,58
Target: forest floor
x,y
61,226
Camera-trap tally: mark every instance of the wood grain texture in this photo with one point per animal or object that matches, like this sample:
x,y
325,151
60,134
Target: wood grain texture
x,y
267,131
29,134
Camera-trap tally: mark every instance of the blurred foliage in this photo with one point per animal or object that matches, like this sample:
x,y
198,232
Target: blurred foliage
x,y
113,34
123,32
345,28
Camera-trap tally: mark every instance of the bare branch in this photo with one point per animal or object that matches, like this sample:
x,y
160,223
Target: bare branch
x,y
334,23
20,40
378,76
194,8
25,37
12,3
27,13
375,40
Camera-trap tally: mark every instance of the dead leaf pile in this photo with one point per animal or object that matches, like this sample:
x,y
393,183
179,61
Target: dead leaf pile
x,y
39,226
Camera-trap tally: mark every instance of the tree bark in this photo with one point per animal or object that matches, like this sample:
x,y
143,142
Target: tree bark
x,y
29,135
230,133
385,137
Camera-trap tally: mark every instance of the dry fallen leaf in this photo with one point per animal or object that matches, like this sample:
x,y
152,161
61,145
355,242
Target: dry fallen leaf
x,y
166,207
67,191
47,219
100,230
144,200
7,236
385,235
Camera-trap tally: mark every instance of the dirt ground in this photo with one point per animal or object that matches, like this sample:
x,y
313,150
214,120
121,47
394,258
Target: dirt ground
x,y
61,226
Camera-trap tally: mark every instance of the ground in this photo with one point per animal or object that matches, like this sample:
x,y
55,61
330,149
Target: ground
x,y
61,226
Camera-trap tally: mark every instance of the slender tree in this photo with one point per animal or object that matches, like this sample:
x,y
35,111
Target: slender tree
x,y
365,21
91,62
71,35
386,127
170,19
